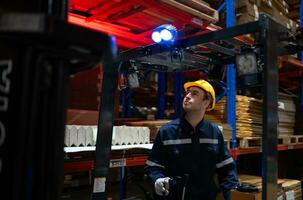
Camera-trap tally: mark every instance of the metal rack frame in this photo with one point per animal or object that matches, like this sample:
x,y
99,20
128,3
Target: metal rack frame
x,y
269,33
39,51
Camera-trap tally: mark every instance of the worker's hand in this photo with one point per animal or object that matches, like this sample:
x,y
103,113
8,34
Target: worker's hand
x,y
162,186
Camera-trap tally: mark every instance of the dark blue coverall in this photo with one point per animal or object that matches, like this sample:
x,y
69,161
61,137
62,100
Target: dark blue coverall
x,y
201,153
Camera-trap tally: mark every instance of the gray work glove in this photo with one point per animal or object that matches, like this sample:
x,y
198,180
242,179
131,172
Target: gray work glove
x,y
162,186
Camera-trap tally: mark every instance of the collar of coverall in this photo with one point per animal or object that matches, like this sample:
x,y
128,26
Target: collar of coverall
x,y
202,125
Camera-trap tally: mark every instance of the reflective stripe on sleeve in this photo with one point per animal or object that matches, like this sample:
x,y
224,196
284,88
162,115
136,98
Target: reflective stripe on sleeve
x,y
153,164
224,162
178,141
208,141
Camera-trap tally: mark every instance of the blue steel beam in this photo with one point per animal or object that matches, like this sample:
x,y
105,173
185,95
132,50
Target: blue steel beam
x,y
221,7
231,77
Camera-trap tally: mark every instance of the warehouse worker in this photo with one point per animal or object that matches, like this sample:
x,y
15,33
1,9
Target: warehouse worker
x,y
194,149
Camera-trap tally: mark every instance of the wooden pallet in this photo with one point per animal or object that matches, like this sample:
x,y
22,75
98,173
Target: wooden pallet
x,y
290,139
249,142
195,8
284,139
296,139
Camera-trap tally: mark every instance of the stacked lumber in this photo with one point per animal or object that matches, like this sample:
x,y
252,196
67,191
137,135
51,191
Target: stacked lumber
x,y
249,115
197,8
291,188
257,181
250,10
286,115
288,188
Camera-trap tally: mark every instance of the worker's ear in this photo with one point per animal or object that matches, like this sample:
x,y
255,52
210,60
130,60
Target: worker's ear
x,y
207,103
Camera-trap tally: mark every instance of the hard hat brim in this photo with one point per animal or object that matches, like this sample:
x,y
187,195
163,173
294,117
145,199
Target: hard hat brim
x,y
191,84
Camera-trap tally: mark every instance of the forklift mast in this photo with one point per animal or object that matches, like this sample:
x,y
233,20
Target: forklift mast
x,y
38,52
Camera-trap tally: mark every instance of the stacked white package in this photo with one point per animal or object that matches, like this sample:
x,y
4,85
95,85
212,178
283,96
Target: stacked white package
x,y
81,136
66,137
117,138
132,135
89,136
114,135
78,135
123,135
95,130
146,135
140,135
73,135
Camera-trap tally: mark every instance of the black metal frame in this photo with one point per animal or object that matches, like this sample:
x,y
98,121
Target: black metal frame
x,y
268,33
38,52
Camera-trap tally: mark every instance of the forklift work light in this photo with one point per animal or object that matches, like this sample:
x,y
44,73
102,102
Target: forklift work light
x,y
164,34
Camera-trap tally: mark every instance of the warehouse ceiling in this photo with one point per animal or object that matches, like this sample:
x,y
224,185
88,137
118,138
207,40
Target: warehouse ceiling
x,y
132,22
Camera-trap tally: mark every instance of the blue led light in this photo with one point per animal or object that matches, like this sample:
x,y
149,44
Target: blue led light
x,y
164,34
156,37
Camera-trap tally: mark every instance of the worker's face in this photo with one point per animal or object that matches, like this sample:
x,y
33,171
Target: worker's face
x,y
194,100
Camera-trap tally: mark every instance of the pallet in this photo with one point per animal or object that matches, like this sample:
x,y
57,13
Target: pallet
x,y
284,139
249,142
195,8
296,139
290,139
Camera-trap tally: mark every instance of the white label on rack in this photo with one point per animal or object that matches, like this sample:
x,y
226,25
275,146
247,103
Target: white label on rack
x,y
290,195
99,184
117,163
197,21
281,105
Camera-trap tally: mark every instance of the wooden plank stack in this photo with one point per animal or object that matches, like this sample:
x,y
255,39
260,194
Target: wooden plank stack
x,y
291,188
287,188
249,10
249,115
197,8
257,181
286,114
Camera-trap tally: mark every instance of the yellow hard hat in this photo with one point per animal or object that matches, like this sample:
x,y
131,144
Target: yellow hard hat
x,y
206,86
